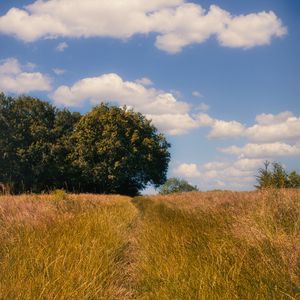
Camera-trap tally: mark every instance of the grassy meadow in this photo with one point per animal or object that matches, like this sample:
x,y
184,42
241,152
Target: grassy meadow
x,y
212,245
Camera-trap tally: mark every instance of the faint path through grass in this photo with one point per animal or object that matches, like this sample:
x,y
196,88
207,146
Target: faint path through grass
x,y
193,246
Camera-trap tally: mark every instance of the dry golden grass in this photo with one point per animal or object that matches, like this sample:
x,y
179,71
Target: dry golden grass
x,y
63,247
220,245
213,245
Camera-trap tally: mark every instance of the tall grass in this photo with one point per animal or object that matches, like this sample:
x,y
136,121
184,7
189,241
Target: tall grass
x,y
219,246
214,245
53,248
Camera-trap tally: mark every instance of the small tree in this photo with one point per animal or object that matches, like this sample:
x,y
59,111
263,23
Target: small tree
x,y
264,177
175,185
294,180
277,177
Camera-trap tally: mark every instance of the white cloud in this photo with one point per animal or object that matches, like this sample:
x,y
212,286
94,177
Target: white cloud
x,y
220,128
124,18
14,79
61,47
239,174
204,120
168,114
174,124
269,119
246,164
111,87
59,71
215,165
269,128
263,150
144,81
251,30
187,171
272,128
224,129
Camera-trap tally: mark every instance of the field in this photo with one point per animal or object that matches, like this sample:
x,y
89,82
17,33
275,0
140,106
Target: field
x,y
213,245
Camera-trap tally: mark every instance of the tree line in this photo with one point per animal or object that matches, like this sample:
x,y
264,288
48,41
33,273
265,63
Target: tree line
x,y
107,150
275,176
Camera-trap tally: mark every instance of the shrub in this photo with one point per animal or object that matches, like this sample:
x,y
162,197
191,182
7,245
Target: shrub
x,y
176,185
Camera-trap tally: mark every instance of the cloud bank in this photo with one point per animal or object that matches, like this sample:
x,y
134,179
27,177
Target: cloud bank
x,y
238,174
123,19
168,113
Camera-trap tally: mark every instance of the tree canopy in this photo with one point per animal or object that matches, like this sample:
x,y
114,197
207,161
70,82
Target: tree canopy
x,y
108,150
176,185
274,175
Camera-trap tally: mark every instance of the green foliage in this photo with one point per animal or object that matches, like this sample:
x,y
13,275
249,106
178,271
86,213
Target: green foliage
x,y
118,151
294,180
108,150
176,185
276,177
34,143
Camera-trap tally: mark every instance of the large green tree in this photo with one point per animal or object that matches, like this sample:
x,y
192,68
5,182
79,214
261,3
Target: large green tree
x,y
34,143
118,151
108,150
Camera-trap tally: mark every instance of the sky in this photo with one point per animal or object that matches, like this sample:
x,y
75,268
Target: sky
x,y
221,79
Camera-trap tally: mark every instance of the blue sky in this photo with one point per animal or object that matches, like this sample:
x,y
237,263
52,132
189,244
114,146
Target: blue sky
x,y
220,78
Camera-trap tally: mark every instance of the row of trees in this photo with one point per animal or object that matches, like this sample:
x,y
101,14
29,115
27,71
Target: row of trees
x,y
275,176
108,150
270,176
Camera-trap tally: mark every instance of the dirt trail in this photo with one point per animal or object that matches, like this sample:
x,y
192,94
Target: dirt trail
x,y
128,255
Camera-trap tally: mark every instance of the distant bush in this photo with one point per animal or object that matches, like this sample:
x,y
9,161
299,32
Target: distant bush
x,y
176,185
276,177
59,194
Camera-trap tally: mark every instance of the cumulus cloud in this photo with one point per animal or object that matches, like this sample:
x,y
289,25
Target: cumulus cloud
x,y
220,128
167,113
224,129
171,115
269,119
204,120
174,124
124,18
269,128
251,30
144,81
14,79
187,171
61,47
263,150
239,174
272,128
